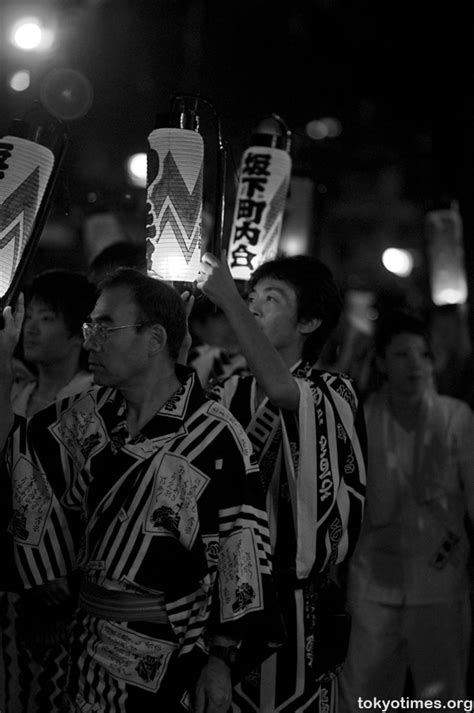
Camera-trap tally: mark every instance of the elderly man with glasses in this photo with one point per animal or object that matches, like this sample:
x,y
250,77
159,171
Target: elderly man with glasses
x,y
174,546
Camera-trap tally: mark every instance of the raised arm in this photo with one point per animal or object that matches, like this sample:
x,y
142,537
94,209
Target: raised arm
x,y
9,336
188,301
266,364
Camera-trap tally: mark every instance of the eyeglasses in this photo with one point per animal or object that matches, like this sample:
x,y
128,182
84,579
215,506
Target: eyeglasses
x,y
100,332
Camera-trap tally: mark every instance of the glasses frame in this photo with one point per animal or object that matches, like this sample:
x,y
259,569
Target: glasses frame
x,y
99,332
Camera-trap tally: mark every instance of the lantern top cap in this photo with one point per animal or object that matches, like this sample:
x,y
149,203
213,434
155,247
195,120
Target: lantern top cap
x,y
272,131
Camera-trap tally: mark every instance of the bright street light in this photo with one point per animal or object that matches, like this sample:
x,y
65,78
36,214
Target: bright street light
x,y
29,33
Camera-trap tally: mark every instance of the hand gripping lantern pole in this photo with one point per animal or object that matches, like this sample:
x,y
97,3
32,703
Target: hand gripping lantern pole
x,y
30,158
260,202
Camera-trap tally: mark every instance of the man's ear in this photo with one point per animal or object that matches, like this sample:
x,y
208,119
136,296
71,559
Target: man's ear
x,y
158,339
308,326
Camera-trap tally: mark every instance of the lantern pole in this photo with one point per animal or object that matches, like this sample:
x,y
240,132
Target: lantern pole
x,y
217,241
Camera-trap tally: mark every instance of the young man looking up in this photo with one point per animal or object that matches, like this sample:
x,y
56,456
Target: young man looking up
x,y
308,431
174,555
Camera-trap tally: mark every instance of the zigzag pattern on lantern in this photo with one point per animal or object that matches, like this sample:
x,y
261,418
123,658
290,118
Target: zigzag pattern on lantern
x,y
16,222
169,193
174,202
23,185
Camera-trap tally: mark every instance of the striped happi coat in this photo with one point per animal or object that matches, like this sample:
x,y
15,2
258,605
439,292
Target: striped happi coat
x,y
178,509
313,466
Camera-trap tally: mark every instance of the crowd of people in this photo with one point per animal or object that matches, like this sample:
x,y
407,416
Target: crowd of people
x,y
199,514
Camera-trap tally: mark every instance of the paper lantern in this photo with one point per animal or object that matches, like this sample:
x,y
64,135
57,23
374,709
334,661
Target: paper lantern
x,y
25,171
260,204
174,201
444,240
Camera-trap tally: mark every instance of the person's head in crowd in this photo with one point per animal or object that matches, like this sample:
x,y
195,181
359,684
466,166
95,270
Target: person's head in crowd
x,y
308,288
403,352
57,303
138,324
119,254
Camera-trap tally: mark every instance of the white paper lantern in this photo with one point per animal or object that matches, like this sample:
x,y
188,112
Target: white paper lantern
x,y
259,209
174,200
25,169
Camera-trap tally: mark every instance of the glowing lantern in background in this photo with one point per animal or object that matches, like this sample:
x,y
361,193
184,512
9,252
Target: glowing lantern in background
x,y
260,202
444,238
174,200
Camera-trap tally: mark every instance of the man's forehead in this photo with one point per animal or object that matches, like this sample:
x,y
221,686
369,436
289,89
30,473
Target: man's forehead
x,y
112,303
40,304
274,283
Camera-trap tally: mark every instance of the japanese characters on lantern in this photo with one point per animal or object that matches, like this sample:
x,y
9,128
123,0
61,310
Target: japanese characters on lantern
x,y
259,208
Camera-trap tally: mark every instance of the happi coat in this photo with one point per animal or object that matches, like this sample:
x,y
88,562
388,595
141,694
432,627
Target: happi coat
x,y
33,635
313,467
175,513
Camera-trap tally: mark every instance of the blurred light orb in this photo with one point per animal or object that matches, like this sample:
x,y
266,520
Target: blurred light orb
x,y
19,81
333,126
400,262
27,34
137,169
66,93
316,129
326,128
293,244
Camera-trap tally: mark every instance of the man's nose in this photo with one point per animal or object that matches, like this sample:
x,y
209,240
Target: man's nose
x,y
255,308
91,343
30,326
417,360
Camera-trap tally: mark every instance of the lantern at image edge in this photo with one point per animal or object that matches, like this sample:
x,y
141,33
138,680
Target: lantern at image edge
x,y
25,171
444,240
260,204
175,166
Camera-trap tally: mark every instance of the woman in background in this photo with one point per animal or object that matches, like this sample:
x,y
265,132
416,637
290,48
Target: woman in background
x,y
408,586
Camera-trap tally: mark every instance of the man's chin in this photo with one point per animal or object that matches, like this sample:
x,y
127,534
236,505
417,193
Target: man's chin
x,y
99,378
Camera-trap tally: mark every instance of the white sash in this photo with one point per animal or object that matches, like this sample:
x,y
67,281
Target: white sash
x,y
303,482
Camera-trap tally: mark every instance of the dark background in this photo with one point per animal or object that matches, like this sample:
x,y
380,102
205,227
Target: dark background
x,y
398,77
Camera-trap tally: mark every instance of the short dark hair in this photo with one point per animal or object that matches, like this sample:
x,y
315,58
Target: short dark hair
x,y
395,322
119,254
157,301
316,292
67,293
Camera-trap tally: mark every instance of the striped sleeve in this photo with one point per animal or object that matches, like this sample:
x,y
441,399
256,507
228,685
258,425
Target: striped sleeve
x,y
44,531
350,447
